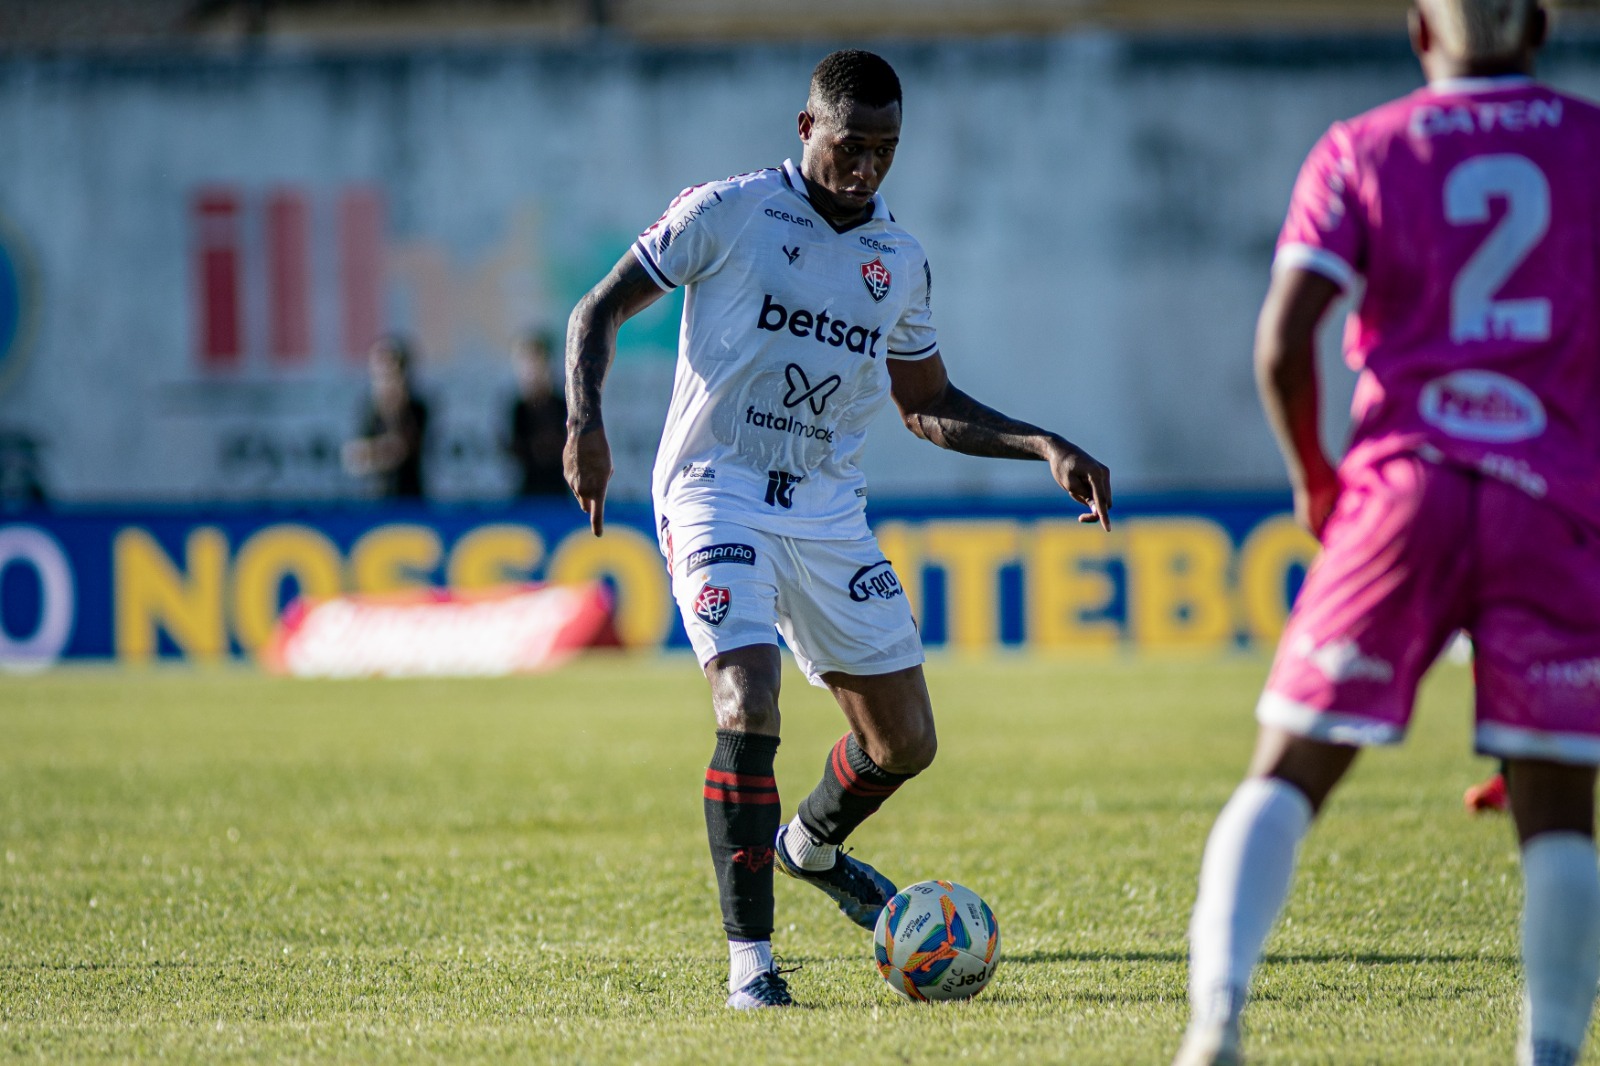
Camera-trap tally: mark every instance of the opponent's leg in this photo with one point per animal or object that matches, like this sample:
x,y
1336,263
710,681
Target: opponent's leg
x,y
1553,805
743,814
1244,879
891,740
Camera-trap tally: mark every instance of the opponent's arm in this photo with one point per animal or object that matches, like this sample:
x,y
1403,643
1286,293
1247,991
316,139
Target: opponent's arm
x,y
938,412
1286,377
591,345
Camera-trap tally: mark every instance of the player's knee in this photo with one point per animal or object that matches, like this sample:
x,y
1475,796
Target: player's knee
x,y
746,708
744,690
911,752
750,717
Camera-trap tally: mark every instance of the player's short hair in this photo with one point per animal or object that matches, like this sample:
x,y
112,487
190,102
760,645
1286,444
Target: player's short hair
x,y
851,75
1479,29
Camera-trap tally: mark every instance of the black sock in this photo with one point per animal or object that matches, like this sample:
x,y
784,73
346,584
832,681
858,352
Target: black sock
x,y
742,816
852,787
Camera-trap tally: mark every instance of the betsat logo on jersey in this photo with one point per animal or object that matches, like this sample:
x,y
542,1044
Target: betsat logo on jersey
x,y
711,604
1480,405
823,327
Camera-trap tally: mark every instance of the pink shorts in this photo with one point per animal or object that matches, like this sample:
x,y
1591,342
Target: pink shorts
x,y
1414,551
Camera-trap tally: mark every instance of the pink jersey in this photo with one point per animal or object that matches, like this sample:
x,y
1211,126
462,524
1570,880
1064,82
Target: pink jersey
x,y
1472,209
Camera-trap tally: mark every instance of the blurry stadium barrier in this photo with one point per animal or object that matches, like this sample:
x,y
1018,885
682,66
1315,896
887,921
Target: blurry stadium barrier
x,y
511,629
1177,573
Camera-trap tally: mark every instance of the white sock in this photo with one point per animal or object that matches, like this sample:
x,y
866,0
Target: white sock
x,y
1560,946
746,960
1244,880
806,852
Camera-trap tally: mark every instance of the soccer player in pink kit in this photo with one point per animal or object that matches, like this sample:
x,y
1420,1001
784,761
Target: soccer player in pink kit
x,y
1469,498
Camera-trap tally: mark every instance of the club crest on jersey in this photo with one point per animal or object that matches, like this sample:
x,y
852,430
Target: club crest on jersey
x,y
712,603
876,277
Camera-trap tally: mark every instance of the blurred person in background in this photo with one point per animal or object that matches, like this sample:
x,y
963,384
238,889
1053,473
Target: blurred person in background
x,y
20,462
537,426
389,446
1467,500
809,306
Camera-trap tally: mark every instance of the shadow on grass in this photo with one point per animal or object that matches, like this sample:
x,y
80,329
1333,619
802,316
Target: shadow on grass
x,y
1037,958
1044,958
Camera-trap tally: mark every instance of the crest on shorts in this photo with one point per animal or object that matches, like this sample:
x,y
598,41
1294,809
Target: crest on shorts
x,y
876,277
711,605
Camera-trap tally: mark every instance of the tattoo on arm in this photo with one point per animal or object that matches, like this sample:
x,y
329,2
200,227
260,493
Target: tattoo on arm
x,y
592,337
958,422
590,347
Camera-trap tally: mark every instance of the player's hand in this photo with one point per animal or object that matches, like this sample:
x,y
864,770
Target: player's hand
x,y
1085,478
1315,499
586,461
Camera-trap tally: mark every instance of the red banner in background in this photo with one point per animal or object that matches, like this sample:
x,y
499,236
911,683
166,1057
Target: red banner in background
x,y
517,629
218,273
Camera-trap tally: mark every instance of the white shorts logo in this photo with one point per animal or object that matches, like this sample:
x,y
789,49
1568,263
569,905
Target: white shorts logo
x,y
1341,661
1481,405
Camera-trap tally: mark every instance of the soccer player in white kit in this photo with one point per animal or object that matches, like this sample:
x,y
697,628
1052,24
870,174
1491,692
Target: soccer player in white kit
x,y
807,307
1468,499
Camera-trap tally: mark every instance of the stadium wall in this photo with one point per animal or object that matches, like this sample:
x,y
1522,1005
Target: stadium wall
x,y
1176,574
194,251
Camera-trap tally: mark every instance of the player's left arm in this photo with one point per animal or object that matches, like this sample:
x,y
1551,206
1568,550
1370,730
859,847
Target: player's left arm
x,y
938,412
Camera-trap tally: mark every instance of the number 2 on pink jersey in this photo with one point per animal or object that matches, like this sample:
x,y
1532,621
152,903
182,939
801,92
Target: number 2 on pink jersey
x,y
1475,315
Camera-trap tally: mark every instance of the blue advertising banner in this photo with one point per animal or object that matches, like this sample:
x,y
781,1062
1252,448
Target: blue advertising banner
x,y
1176,572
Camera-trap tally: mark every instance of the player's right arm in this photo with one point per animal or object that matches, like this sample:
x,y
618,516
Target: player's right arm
x,y
688,242
1286,377
1321,253
591,346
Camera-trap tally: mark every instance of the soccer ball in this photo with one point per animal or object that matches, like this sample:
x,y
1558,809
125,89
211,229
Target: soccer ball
x,y
936,941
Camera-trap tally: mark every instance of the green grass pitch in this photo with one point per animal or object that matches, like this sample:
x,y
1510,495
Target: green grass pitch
x,y
220,867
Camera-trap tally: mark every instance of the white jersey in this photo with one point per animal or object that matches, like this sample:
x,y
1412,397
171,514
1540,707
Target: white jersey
x,y
787,326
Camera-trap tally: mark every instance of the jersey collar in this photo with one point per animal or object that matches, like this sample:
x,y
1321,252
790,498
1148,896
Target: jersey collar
x,y
1455,86
797,182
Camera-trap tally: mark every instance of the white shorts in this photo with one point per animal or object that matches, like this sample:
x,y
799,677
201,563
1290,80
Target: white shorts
x,y
838,603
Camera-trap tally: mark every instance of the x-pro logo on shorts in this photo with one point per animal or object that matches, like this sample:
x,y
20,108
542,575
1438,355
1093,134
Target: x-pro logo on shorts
x,y
711,605
801,389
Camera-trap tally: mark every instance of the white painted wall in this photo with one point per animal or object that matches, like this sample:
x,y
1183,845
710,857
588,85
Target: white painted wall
x,y
1099,211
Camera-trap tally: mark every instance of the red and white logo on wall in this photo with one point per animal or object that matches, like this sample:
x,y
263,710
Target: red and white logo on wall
x,y
255,253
